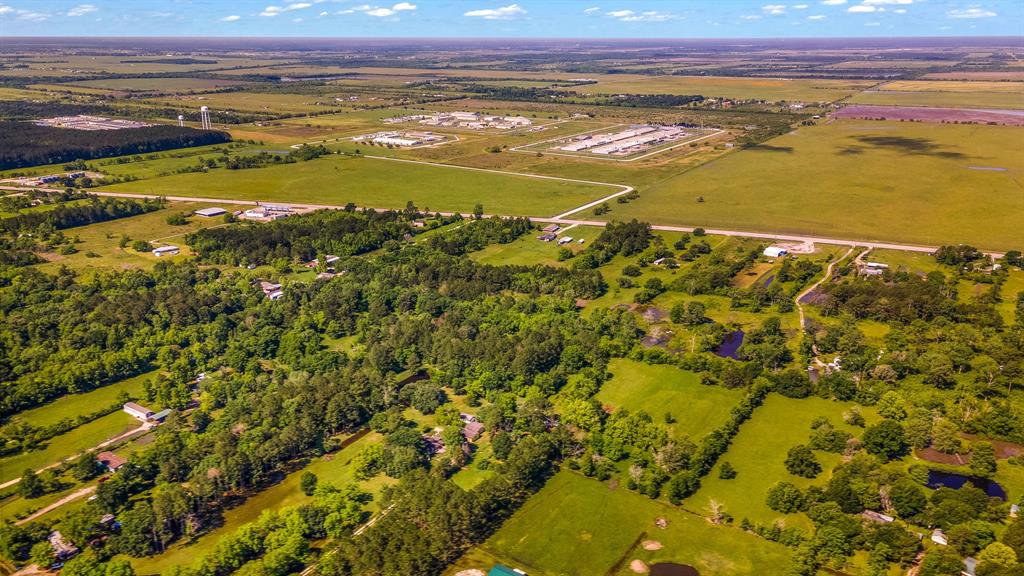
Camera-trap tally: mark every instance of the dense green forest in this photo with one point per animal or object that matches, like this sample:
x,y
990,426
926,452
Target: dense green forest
x,y
513,342
26,144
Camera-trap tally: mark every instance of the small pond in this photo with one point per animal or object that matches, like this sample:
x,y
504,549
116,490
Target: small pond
x,y
670,569
730,345
938,479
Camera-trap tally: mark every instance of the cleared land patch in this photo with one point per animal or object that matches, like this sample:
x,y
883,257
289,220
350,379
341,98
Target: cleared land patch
x,y
945,93
894,181
577,526
661,389
929,114
337,180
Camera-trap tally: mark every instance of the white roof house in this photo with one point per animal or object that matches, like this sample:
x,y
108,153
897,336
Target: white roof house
x,y
939,537
166,251
775,252
210,212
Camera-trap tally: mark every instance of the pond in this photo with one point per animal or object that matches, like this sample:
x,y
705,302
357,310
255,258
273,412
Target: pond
x,y
730,345
939,479
670,569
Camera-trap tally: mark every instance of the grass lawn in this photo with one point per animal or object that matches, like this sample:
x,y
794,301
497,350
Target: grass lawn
x,y
528,250
894,181
103,239
72,405
577,526
759,451
656,390
337,180
335,469
68,444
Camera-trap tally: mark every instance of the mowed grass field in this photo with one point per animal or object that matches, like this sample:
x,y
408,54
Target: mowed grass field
x,y
156,84
577,526
758,454
864,180
337,180
657,390
73,405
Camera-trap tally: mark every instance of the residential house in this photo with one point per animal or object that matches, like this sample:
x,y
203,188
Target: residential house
x,y
473,430
112,461
62,549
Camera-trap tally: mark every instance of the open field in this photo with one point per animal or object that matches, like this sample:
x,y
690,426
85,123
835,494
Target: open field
x,y
929,114
951,93
67,444
336,180
73,405
252,102
663,389
77,65
759,451
156,84
528,250
99,246
577,526
895,181
334,469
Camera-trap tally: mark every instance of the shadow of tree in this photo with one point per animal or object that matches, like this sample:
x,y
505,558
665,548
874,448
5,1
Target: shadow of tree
x,y
769,148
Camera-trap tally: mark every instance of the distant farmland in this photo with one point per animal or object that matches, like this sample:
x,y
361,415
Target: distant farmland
x,y
895,181
927,114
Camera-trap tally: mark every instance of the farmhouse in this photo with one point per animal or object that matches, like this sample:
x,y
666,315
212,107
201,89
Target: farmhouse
x,y
210,212
775,251
473,430
552,228
111,461
166,251
136,411
62,549
271,290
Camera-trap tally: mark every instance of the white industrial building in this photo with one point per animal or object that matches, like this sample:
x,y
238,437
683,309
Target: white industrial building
x,y
775,252
166,251
635,139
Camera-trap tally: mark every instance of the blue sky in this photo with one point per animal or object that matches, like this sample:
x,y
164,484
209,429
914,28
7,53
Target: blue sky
x,y
513,18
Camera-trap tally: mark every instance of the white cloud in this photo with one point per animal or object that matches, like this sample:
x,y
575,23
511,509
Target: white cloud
x,y
646,16
862,9
887,2
800,6
322,14
403,7
5,9
750,17
833,2
774,9
82,10
816,17
232,18
592,9
504,13
275,10
380,12
971,13
32,16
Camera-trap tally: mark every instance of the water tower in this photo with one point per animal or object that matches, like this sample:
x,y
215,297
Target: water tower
x,y
181,121
204,116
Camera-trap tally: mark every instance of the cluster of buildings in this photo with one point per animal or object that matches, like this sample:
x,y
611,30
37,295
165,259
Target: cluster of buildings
x,y
625,142
44,180
402,139
872,269
266,212
83,122
471,120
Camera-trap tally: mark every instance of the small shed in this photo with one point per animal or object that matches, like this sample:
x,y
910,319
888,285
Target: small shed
x,y
775,251
546,237
161,415
210,212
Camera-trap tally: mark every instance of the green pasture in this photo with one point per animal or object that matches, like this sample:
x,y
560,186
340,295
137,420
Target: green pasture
x,y
661,389
73,405
337,180
157,84
577,526
68,444
893,181
102,240
529,251
758,454
333,468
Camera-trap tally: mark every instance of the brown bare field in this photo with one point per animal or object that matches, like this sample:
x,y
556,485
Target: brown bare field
x,y
925,114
